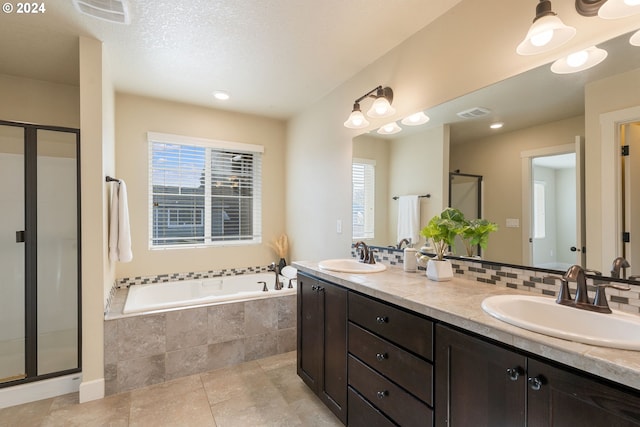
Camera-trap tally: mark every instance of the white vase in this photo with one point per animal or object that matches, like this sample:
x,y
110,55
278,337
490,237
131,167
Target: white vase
x,y
440,271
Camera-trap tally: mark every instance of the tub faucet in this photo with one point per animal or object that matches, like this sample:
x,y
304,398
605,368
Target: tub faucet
x,y
618,264
277,285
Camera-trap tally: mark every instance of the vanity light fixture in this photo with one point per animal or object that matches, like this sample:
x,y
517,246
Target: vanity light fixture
x,y
383,97
389,129
416,119
614,9
635,39
547,31
579,61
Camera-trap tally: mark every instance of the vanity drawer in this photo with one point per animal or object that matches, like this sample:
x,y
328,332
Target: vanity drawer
x,y
412,332
409,371
392,400
363,414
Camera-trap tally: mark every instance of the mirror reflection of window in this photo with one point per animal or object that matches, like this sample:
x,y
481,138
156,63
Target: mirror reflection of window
x,y
363,210
539,219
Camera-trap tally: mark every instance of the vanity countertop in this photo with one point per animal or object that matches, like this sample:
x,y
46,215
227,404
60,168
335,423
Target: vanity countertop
x,y
458,303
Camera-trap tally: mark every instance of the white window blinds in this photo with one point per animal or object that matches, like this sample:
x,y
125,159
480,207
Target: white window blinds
x,y
363,211
203,192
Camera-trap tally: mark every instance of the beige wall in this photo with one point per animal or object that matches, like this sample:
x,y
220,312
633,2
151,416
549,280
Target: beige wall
x,y
460,52
135,116
35,101
497,159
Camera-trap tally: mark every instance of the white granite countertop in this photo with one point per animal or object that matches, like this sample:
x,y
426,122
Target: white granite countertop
x,y
458,303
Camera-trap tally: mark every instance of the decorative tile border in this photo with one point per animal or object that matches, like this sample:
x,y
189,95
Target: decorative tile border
x,y
520,278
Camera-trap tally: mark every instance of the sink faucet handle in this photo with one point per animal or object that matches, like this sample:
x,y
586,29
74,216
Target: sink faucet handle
x,y
564,295
600,300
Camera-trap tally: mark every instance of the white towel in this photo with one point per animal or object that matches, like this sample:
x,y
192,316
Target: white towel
x,y
409,218
119,231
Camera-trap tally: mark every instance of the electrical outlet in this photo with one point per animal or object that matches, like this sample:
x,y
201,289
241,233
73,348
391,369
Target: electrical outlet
x,y
339,226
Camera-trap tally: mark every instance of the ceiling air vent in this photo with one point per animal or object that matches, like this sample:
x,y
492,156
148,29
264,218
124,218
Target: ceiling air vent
x,y
474,112
107,10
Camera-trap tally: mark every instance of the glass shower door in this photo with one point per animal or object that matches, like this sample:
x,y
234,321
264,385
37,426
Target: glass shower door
x,y
12,255
57,251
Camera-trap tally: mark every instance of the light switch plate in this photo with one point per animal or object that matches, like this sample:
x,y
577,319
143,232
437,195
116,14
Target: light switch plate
x,y
513,222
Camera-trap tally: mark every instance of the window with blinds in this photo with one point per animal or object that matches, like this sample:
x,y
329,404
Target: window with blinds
x,y
363,211
203,192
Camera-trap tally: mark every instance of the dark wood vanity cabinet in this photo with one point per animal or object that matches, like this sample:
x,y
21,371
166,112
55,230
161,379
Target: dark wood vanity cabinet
x,y
390,365
483,384
322,341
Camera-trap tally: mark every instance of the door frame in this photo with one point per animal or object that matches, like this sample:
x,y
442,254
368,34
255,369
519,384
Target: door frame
x,y
611,178
527,175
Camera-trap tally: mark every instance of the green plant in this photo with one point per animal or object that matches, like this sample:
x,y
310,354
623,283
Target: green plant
x,y
475,232
442,230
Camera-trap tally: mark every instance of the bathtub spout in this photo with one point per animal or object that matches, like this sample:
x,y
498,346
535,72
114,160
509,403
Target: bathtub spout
x,y
264,286
276,285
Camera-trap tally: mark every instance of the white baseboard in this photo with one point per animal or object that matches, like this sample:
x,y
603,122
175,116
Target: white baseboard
x,y
92,390
38,390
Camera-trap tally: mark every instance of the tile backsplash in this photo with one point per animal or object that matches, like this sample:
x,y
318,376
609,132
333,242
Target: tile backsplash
x,y
521,278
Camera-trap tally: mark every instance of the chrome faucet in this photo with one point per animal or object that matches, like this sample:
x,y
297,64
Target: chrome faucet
x,y
365,254
407,242
618,264
277,285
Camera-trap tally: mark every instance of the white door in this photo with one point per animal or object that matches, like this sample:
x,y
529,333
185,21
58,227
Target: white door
x,y
553,206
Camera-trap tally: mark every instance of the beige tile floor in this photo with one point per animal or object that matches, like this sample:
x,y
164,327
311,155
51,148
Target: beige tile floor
x,y
265,392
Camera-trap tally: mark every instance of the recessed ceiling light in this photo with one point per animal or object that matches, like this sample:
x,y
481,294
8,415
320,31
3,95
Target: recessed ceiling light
x,y
496,125
221,95
415,119
389,129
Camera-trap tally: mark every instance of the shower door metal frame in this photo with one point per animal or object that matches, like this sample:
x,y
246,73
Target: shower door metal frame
x,y
31,251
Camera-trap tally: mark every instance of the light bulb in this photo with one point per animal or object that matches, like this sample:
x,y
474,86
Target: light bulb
x,y
542,38
577,59
632,2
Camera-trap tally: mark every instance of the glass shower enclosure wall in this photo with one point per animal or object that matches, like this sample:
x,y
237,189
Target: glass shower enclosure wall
x,y
39,252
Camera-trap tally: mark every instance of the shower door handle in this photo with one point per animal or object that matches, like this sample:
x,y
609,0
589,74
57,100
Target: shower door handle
x,y
20,236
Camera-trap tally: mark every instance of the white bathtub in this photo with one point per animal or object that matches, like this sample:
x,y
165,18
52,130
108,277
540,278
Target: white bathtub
x,y
158,296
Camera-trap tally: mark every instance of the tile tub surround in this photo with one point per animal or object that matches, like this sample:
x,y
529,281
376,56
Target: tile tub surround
x,y
458,303
520,278
152,348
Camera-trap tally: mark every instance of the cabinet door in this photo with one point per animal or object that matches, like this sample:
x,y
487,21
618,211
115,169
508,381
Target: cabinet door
x,y
560,398
477,383
309,332
333,384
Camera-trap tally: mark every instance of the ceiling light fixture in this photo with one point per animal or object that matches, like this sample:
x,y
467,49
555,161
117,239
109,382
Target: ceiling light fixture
x,y
579,61
547,31
614,9
416,119
496,125
221,95
389,129
383,97
635,39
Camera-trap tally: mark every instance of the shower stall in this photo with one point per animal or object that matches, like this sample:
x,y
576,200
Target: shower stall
x,y
39,252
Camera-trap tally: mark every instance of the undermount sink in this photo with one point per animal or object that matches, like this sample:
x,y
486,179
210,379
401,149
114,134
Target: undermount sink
x,y
543,315
348,265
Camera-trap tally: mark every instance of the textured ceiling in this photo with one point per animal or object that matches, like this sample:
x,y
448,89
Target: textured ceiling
x,y
274,57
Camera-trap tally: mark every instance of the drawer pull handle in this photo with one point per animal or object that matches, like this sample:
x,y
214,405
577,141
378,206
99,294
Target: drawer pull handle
x,y
536,383
514,373
382,394
382,319
382,356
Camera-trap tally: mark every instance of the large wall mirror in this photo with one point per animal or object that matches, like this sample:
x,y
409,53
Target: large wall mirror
x,y
534,165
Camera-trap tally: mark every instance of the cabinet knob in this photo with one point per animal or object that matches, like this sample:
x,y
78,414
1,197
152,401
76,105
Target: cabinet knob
x,y
382,356
382,394
382,319
535,383
514,373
